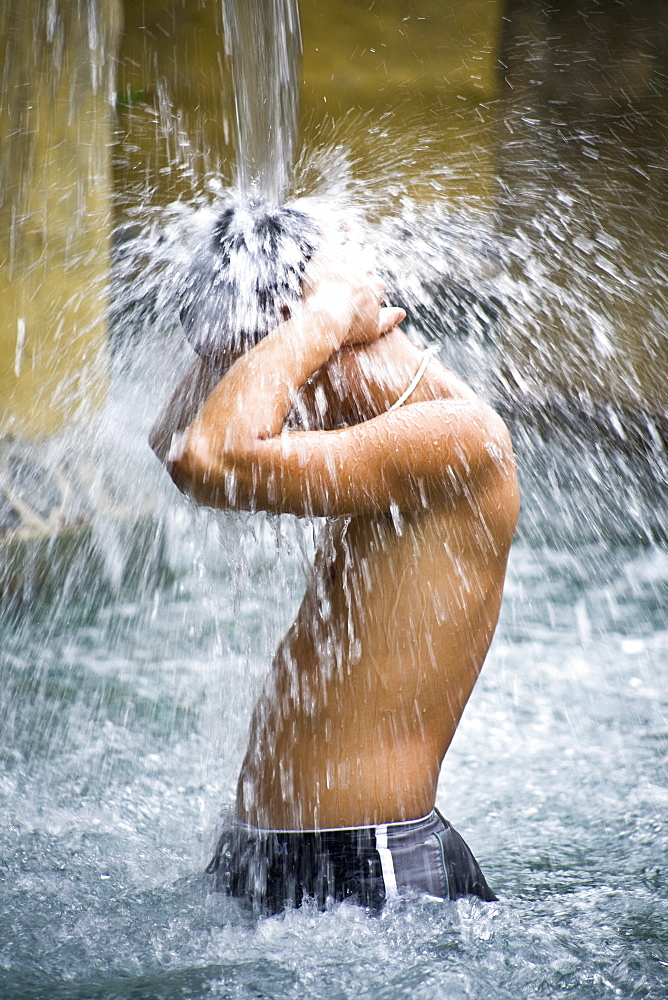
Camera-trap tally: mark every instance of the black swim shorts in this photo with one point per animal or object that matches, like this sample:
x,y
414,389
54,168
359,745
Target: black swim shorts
x,y
276,869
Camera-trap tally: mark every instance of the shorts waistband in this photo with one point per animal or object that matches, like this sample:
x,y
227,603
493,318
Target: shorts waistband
x,y
399,826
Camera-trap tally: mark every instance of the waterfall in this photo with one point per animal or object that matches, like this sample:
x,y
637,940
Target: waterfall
x,y
263,40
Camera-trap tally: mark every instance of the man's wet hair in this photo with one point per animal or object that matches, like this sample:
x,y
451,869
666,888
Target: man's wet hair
x,y
248,278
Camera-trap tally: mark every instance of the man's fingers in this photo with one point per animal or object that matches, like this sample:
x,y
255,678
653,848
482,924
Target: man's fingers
x,y
388,318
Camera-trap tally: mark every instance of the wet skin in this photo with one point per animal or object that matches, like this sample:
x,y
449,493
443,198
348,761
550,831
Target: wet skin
x,y
368,686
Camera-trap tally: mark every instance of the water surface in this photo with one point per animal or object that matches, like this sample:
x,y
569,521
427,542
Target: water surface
x,y
122,727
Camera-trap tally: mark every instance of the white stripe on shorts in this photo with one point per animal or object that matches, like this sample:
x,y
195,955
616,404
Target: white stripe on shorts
x,y
386,862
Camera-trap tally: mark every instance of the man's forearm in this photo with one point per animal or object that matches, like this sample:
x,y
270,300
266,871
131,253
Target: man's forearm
x,y
234,453
253,399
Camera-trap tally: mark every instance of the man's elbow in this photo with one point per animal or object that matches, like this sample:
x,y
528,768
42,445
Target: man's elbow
x,y
159,442
179,475
202,475
186,465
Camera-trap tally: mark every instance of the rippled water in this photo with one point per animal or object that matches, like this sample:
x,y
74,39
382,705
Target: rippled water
x,y
122,727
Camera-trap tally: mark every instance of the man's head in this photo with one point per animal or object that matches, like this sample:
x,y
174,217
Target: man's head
x,y
247,279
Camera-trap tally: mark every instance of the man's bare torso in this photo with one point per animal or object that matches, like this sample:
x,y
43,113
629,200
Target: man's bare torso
x,y
368,686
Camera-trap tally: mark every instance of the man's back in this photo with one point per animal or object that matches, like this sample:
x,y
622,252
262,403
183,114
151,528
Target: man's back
x,y
368,686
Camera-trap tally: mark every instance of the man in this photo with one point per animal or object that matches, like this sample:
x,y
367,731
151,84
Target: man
x,y
416,480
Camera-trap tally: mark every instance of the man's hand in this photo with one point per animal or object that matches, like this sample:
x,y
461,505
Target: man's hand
x,y
343,294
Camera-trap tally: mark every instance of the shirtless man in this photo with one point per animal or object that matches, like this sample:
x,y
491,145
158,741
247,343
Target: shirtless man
x,y
336,794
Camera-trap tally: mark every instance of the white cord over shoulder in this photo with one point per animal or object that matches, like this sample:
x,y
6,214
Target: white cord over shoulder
x,y
426,357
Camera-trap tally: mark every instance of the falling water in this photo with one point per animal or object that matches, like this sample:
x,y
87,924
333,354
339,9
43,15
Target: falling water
x,y
264,43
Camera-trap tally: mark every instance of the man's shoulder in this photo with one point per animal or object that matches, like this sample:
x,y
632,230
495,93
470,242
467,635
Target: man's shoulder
x,y
467,445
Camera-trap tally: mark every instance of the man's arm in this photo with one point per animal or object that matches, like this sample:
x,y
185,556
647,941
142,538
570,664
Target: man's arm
x,y
235,453
361,382
182,407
